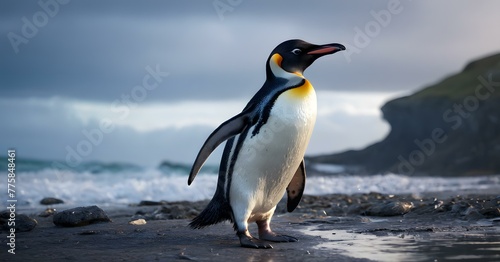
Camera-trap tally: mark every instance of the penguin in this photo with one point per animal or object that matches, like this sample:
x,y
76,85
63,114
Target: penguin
x,y
266,142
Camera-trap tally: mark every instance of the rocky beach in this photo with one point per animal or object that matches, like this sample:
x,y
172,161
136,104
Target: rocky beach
x,y
360,227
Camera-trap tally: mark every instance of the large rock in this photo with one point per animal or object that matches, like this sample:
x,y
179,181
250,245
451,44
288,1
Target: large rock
x,y
80,216
23,223
450,128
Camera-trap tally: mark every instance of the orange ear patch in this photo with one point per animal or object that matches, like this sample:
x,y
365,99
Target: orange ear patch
x,y
277,59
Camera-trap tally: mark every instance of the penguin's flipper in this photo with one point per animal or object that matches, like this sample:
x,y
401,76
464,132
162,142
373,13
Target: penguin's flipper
x,y
226,130
296,187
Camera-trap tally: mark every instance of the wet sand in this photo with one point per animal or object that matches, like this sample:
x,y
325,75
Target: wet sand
x,y
333,228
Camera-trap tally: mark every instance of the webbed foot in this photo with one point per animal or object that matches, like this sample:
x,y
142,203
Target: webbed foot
x,y
265,233
271,236
246,240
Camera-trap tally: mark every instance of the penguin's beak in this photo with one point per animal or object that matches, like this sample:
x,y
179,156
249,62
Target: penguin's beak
x,y
326,49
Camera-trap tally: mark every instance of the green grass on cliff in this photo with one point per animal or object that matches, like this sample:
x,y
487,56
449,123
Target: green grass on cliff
x,y
464,84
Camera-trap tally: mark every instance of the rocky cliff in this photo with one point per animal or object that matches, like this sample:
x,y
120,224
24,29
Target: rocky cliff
x,y
447,129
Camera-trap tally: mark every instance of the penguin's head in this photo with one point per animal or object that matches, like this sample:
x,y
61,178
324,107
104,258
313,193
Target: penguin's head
x,y
294,56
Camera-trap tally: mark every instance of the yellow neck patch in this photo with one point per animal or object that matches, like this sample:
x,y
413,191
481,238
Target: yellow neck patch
x,y
301,91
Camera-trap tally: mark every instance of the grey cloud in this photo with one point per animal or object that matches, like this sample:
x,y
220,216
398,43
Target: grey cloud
x,y
97,50
53,133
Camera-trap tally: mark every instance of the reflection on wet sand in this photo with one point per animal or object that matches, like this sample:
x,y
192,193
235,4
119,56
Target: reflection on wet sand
x,y
377,241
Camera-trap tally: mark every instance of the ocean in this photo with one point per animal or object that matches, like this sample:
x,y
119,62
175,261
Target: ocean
x,y
120,183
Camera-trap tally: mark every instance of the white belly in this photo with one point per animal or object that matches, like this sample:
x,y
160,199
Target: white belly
x,y
267,162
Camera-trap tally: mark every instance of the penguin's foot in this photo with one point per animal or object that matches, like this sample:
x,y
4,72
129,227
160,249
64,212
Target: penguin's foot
x,y
246,240
271,236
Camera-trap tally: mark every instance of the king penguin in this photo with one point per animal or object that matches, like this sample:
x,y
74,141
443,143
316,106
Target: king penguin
x,y
266,143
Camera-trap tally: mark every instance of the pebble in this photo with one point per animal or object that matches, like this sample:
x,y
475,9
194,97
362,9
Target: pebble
x,y
51,201
137,222
151,203
47,212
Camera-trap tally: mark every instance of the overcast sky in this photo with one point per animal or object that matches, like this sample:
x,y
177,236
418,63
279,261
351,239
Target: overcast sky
x,y
143,81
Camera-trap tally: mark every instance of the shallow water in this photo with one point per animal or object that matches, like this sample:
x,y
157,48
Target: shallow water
x,y
420,246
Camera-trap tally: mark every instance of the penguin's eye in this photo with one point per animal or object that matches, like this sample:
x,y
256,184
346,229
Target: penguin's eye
x,y
296,51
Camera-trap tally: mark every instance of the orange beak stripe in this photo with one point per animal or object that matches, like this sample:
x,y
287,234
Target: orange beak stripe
x,y
323,50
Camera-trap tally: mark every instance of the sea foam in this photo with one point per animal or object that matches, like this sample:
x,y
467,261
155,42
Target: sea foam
x,y
105,184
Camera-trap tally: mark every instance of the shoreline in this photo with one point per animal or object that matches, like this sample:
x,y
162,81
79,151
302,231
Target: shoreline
x,y
338,227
